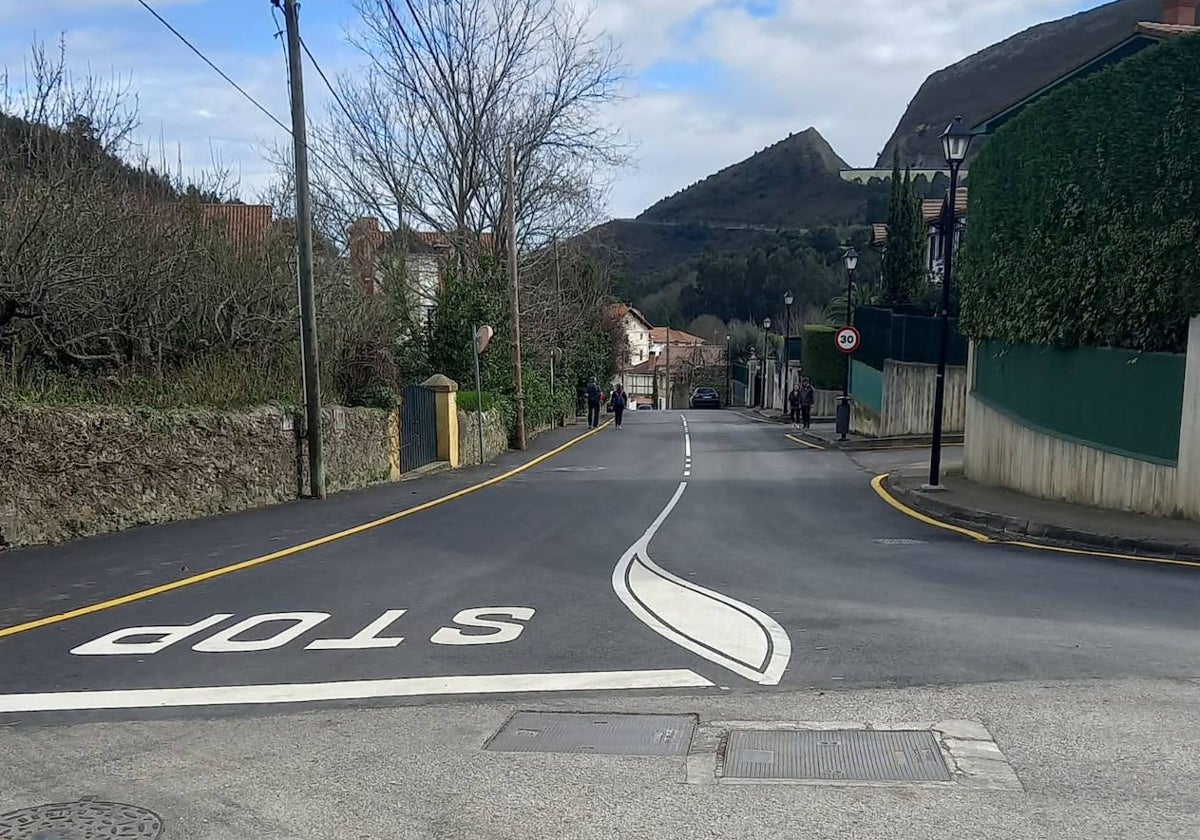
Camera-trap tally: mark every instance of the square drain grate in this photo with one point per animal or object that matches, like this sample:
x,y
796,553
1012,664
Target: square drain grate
x,y
836,756
572,732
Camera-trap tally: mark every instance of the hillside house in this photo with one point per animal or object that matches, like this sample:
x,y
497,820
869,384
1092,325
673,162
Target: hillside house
x,y
421,258
932,212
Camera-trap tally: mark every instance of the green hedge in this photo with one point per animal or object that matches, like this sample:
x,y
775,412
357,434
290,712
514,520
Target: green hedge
x,y
1085,212
824,364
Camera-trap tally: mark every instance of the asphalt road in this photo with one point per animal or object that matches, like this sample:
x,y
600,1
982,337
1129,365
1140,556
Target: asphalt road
x,y
697,552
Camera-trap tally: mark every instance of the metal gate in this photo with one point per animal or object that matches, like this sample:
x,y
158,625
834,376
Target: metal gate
x,y
418,427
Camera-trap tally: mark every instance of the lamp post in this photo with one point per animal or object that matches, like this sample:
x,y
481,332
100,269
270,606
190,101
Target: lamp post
x,y
728,371
784,375
956,142
850,260
762,396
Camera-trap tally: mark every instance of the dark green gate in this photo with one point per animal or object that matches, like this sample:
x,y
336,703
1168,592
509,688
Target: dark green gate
x,y
418,427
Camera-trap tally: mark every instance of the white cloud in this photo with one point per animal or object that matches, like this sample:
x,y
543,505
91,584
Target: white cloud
x,y
847,68
850,71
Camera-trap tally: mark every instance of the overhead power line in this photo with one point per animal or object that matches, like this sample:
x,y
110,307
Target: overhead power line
x,y
215,68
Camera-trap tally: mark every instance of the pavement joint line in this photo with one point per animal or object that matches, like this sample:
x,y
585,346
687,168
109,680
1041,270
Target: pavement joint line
x,y
882,492
295,549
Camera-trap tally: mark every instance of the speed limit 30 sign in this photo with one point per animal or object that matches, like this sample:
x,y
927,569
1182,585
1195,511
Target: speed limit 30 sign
x,y
847,339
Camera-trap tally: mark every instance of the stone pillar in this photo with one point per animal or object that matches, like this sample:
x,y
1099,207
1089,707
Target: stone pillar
x,y
1187,472
445,390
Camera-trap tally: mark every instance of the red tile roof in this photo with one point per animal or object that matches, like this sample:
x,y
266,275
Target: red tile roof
x,y
619,310
244,224
658,335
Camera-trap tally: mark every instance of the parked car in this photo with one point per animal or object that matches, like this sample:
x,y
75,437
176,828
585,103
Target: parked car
x,y
706,398
645,407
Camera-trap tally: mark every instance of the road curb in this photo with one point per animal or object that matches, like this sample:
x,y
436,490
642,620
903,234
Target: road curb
x,y
1004,528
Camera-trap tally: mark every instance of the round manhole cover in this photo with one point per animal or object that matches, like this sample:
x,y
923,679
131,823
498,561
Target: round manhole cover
x,y
86,819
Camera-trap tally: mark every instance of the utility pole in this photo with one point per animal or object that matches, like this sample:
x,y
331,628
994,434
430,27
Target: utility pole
x,y
668,368
304,244
519,392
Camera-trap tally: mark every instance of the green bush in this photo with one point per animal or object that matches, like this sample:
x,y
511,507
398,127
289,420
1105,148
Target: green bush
x,y
1085,212
824,364
375,395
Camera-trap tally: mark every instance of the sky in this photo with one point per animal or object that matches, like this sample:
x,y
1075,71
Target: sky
x,y
710,81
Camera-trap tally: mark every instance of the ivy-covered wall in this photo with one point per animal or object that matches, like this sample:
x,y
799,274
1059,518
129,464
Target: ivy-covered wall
x,y
1085,212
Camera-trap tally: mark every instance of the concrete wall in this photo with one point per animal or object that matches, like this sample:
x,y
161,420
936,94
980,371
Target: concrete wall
x,y
495,436
907,401
72,472
1002,452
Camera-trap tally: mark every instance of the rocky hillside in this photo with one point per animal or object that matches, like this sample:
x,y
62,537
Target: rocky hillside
x,y
990,80
792,184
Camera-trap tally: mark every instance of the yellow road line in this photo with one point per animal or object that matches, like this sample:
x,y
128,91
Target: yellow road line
x,y
804,442
877,485
295,549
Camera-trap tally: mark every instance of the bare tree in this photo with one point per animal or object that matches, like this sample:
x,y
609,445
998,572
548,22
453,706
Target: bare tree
x,y
450,84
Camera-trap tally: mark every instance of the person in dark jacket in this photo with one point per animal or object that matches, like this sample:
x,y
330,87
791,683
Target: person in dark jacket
x,y
619,401
794,404
593,400
807,398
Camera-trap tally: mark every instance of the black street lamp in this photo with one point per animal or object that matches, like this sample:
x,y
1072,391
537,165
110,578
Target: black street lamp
x,y
956,142
762,397
788,300
843,419
728,371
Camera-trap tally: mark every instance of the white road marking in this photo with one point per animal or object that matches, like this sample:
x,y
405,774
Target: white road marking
x,y
366,638
502,631
734,635
687,473
155,698
110,644
224,641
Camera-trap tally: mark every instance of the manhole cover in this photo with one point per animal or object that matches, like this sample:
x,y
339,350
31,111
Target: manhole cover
x,y
900,541
569,732
844,755
86,819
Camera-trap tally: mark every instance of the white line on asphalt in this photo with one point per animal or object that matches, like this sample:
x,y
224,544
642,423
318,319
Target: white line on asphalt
x,y
734,635
687,473
232,695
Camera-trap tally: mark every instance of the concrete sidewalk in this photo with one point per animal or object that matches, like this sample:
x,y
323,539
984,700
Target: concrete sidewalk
x,y
823,433
1005,514
1095,760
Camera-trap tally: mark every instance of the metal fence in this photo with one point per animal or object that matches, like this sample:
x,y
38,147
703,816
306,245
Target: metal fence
x,y
902,337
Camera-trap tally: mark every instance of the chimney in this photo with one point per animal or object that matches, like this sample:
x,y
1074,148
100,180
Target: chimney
x,y
364,239
1180,12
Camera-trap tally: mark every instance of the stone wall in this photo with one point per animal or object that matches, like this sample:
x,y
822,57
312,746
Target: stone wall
x,y
73,472
905,395
495,436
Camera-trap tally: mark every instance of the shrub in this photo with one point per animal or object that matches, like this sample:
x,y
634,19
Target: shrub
x,y
824,364
1085,213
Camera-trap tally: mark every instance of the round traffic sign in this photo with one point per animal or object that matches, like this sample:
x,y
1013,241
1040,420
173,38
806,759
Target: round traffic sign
x,y
847,339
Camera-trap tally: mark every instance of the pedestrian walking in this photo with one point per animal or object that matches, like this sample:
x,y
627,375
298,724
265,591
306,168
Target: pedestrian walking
x,y
794,404
594,396
619,401
808,396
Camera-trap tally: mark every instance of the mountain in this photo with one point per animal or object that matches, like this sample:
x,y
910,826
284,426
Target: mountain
x,y
1003,74
792,184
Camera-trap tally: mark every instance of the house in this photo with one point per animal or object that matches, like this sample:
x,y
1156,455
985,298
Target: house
x,y
420,257
932,211
634,331
1178,19
671,356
